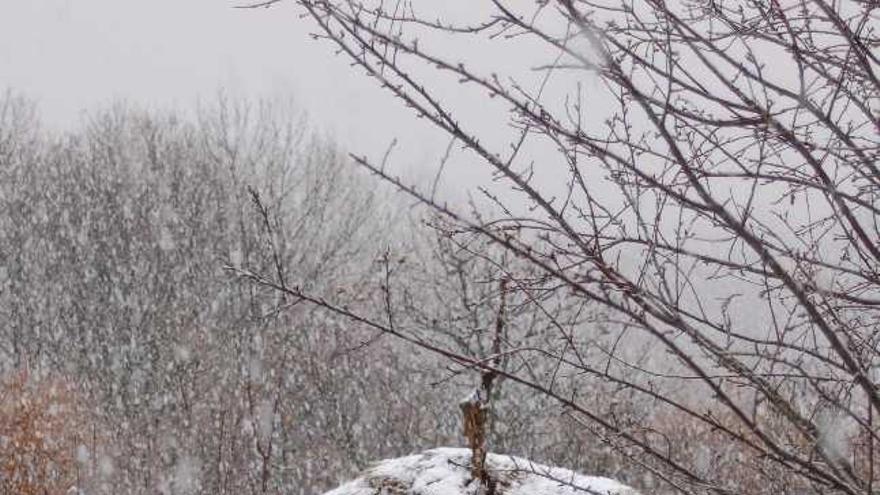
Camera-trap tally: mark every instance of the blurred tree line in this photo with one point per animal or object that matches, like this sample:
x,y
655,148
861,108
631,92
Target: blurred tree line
x,y
129,342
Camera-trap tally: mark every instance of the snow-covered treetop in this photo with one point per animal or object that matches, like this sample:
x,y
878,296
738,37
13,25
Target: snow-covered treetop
x,y
446,471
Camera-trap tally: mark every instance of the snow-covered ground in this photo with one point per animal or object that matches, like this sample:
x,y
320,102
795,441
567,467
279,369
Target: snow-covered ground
x,y
446,471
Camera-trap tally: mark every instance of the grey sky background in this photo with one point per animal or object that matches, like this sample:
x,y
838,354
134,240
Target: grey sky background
x,y
72,56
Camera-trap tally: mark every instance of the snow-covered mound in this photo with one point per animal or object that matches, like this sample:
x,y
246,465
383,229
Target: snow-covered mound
x,y
446,471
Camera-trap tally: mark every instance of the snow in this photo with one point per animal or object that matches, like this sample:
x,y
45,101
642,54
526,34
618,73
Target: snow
x,y
446,471
473,397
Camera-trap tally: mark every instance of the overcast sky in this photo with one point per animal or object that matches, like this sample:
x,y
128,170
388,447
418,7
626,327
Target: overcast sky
x,y
78,55
75,55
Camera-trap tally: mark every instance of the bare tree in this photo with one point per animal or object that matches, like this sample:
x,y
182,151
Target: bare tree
x,y
718,198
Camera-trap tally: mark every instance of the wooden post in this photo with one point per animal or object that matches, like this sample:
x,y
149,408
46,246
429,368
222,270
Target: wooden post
x,y
474,410
475,407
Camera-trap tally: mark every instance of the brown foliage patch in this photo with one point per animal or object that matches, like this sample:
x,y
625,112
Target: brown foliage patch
x,y
40,421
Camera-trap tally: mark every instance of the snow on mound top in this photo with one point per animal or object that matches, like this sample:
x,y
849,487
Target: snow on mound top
x,y
446,471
